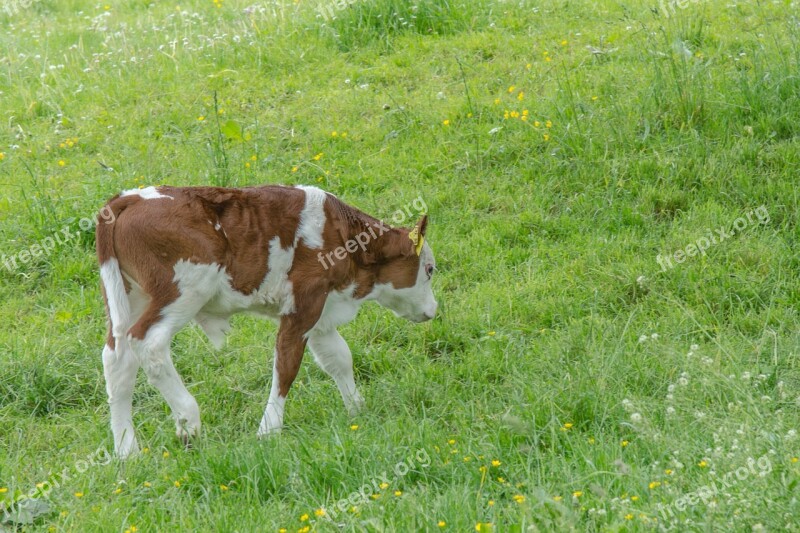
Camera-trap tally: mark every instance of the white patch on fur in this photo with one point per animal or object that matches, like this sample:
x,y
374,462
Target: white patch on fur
x,y
217,226
118,305
333,355
147,193
276,287
416,303
215,328
340,308
312,218
119,367
272,421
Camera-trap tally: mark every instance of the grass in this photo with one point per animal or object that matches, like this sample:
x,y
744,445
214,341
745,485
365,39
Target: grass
x,y
571,382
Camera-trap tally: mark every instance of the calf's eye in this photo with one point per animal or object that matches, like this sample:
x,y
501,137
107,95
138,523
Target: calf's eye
x,y
429,270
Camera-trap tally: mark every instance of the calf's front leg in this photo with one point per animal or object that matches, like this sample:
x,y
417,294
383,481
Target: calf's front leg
x,y
289,350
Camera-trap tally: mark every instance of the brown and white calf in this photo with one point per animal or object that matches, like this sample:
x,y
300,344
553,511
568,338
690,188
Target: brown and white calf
x,y
169,255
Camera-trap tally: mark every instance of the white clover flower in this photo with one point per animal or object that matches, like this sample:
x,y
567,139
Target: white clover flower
x,y
694,347
670,411
642,338
670,397
654,336
636,418
671,389
746,376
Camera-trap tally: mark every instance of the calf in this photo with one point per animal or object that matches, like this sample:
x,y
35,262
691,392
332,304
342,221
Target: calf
x,y
297,255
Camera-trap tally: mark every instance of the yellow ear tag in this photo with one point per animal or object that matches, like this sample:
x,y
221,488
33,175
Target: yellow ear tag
x,y
417,239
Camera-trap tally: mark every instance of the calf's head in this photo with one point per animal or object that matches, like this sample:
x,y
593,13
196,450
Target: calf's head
x,y
404,276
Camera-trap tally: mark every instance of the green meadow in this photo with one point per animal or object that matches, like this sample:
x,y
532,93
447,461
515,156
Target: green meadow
x,y
613,198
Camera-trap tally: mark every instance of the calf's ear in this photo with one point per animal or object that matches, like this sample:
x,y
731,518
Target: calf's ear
x,y
417,235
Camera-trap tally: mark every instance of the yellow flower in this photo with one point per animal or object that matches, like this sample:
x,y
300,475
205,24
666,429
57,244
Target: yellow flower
x,y
495,462
668,471
590,440
566,426
634,498
528,66
654,485
547,58
501,480
482,469
254,157
221,112
384,485
344,134
201,118
134,529
546,137
62,145
519,498
514,114
446,122
492,333
319,512
624,443
118,490
629,516
304,517
511,89
564,42
451,441
282,530
524,112
375,496
177,483
521,95
318,156
467,458
594,98
146,450
2,156
79,495
223,488
524,118
702,464
536,123
3,490
577,494
354,427
62,163
795,459
147,484
496,101
491,503
469,115
441,523
294,169
398,493
557,498
334,134
505,115
548,124
165,454
247,164
305,529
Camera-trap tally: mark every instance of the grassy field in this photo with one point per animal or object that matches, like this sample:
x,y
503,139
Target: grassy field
x,y
614,210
